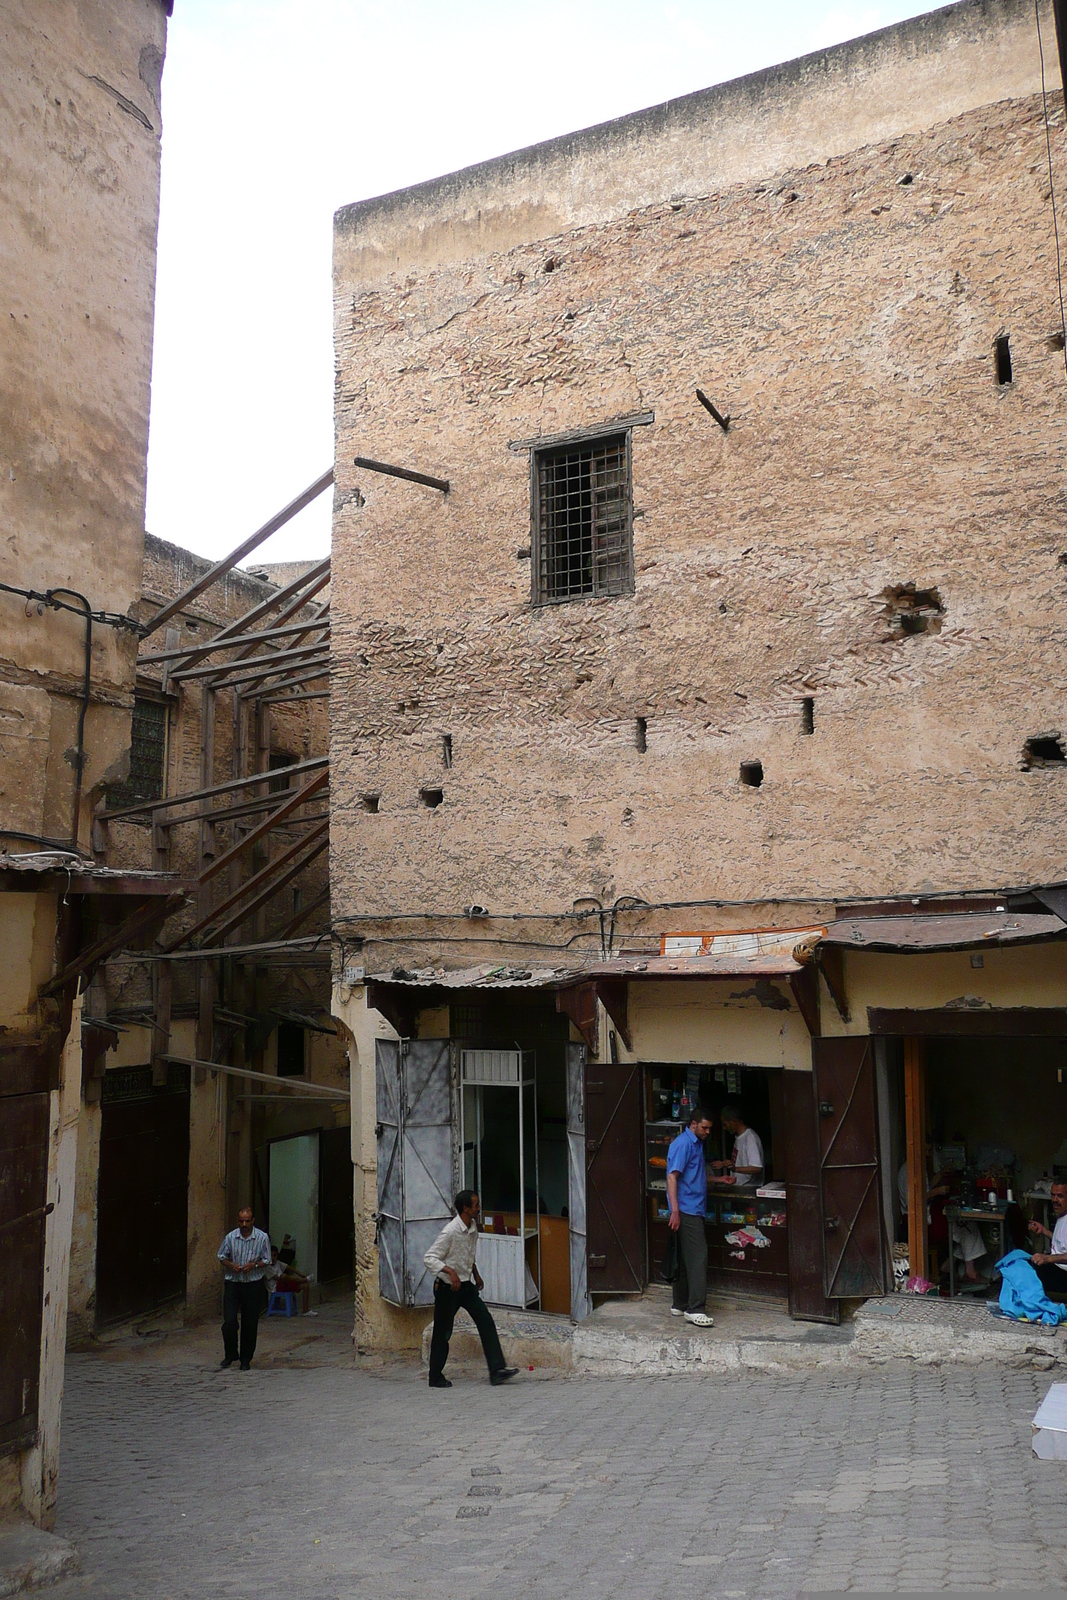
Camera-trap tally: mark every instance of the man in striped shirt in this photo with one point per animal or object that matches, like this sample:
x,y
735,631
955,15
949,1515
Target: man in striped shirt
x,y
245,1254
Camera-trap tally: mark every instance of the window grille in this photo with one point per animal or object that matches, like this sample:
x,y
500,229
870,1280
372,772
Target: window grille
x,y
148,750
582,521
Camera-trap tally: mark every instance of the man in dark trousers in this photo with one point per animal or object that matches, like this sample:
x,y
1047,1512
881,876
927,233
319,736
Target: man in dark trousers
x,y
457,1282
245,1254
687,1193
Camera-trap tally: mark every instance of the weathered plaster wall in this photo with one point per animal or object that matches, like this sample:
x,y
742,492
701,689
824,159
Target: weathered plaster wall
x,y
79,131
756,1022
845,320
378,1325
902,79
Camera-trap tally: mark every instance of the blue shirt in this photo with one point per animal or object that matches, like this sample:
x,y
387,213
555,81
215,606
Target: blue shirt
x,y
686,1158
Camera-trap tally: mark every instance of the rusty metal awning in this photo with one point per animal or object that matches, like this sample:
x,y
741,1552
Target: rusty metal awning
x,y
965,931
725,966
632,967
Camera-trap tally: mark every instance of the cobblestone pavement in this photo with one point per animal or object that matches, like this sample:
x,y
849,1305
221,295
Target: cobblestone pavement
x,y
184,1483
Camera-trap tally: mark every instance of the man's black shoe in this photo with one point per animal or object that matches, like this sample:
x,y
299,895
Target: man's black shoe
x,y
440,1383
246,1366
226,1363
503,1375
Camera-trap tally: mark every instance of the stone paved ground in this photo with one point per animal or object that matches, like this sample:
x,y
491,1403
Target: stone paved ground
x,y
180,1482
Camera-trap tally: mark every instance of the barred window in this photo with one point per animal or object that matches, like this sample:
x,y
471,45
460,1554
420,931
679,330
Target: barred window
x,y
148,750
582,521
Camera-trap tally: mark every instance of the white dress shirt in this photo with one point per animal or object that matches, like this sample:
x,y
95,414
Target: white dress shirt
x,y
748,1152
454,1247
1058,1247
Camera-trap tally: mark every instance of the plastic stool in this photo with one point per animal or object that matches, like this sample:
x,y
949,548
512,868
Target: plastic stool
x,y
281,1305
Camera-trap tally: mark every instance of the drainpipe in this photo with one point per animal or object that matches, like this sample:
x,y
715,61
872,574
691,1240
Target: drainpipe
x,y
79,751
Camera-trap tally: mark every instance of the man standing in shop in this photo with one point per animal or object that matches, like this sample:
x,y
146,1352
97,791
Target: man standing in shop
x,y
1051,1268
687,1193
245,1254
457,1282
746,1163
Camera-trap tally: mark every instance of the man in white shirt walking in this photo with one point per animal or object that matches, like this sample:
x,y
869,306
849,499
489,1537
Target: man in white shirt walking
x,y
457,1283
245,1254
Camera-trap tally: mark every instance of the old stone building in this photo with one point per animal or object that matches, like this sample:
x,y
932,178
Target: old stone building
x,y
737,609
80,133
168,1151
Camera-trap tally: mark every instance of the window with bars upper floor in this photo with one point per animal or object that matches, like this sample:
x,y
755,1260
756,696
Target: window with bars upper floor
x,y
582,521
148,753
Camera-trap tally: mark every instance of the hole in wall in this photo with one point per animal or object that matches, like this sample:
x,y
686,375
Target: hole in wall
x,y
431,798
1002,352
551,263
369,802
1055,341
446,749
807,714
641,734
910,610
1044,750
906,178
752,774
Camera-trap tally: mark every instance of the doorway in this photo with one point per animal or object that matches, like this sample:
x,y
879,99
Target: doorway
x,y
142,1192
293,1178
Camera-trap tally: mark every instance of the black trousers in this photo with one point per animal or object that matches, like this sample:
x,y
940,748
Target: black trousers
x,y
1053,1280
446,1302
691,1284
244,1300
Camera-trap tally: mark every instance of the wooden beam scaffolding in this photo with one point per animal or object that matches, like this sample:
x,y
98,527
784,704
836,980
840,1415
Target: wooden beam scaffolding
x,y
220,569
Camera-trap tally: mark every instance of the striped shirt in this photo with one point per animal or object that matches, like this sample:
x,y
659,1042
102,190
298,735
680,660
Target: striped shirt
x,y
236,1248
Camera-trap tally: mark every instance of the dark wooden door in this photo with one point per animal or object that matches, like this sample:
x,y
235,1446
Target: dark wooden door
x,y
142,1197
23,1190
615,1250
337,1232
807,1298
847,1132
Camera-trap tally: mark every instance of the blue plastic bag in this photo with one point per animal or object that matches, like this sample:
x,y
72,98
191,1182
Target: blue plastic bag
x,y
1021,1296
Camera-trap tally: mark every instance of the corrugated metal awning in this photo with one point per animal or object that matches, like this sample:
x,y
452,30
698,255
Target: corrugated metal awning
x,y
966,931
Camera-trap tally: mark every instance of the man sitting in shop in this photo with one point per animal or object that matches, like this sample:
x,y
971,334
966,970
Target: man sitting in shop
x,y
1051,1267
687,1193
746,1163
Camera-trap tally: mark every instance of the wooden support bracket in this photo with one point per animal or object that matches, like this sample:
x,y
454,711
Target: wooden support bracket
x,y
578,1001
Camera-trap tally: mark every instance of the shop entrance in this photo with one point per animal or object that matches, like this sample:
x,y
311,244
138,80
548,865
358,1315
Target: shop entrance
x,y
747,1231
990,1112
514,1148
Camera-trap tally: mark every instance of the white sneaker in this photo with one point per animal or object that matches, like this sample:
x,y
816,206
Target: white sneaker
x,y
701,1319
676,1313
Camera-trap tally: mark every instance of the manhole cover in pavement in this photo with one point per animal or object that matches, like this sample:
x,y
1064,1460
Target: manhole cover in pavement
x,y
473,1511
485,1472
489,1491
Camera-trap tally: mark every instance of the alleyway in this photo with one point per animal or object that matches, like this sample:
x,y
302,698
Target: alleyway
x,y
309,1482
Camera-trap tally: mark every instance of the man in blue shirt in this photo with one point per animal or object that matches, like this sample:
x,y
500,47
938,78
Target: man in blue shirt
x,y
687,1192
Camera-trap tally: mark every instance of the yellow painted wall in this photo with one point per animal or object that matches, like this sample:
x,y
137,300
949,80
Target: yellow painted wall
x,y
1027,975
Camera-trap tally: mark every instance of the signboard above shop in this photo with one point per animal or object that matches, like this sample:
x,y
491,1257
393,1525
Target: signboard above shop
x,y
739,942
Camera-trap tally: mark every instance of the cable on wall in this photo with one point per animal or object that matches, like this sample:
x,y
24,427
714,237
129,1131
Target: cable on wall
x,y
1051,181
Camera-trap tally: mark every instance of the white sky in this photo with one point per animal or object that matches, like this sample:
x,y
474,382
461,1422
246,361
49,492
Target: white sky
x,y
276,112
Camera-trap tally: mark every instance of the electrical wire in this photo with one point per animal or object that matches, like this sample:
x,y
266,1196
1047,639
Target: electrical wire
x,y
46,597
1051,182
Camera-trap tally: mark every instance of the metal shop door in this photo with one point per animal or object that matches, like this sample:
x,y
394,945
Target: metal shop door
x,y
24,1122
614,1205
143,1193
413,1132
851,1194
